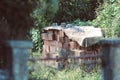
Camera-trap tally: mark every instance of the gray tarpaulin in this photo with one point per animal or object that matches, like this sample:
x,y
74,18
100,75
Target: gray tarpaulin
x,y
83,35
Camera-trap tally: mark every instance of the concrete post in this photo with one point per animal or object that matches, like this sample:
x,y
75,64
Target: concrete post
x,y
111,58
20,53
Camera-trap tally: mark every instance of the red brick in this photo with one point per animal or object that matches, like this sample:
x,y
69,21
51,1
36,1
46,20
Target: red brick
x,y
56,44
53,49
61,33
50,36
44,36
46,48
50,32
62,39
73,45
90,52
66,46
46,42
56,32
47,36
67,40
58,37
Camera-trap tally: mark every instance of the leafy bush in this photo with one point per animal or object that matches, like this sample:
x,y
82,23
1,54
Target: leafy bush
x,y
45,12
108,18
43,16
78,22
70,10
36,39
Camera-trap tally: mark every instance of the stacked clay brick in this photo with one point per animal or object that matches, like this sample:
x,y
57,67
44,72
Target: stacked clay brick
x,y
56,43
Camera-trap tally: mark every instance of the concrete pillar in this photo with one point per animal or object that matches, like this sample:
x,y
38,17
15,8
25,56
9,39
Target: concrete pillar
x,y
20,54
111,58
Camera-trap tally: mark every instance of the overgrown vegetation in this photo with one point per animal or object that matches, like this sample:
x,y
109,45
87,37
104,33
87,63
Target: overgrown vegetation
x,y
49,11
47,73
43,15
104,14
108,18
70,10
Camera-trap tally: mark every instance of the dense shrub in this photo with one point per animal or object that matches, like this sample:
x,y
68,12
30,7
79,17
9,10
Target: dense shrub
x,y
108,18
78,22
43,16
70,10
42,72
45,12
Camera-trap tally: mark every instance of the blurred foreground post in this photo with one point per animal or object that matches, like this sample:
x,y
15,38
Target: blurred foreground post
x,y
20,54
111,58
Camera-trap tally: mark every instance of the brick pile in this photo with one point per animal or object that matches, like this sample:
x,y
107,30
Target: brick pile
x,y
56,43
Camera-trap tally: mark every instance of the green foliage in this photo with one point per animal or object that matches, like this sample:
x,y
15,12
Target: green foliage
x,y
70,10
82,23
108,18
36,39
46,73
43,16
45,12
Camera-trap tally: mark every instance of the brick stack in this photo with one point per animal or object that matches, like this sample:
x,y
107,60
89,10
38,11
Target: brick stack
x,y
56,43
52,44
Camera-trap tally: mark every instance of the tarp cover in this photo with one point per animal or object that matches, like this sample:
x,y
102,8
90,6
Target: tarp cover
x,y
83,35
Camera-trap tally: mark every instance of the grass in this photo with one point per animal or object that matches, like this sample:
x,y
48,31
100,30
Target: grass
x,y
42,72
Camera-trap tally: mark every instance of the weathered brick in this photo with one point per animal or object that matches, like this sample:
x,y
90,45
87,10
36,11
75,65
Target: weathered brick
x,y
56,32
50,32
53,49
44,36
62,39
67,40
73,45
46,48
66,46
61,33
50,36
47,36
46,42
57,44
90,52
